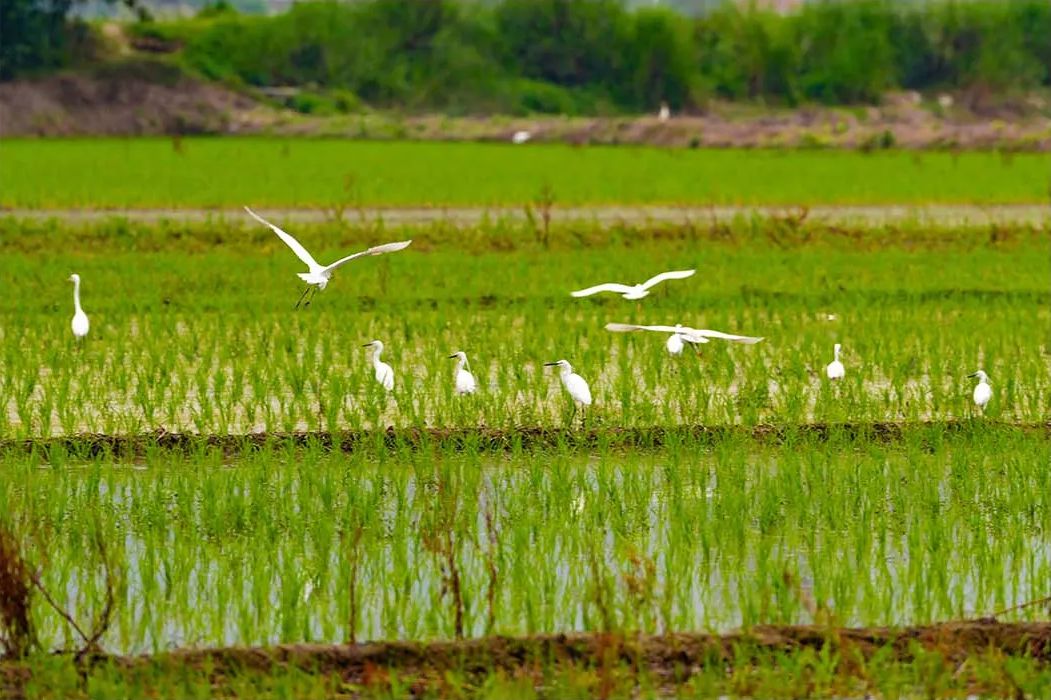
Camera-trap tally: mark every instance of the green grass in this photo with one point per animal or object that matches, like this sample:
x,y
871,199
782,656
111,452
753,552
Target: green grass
x,y
110,173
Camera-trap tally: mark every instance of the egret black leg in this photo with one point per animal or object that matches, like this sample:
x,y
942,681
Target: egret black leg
x,y
301,296
312,293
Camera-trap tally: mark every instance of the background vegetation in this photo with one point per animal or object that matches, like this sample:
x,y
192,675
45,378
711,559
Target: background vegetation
x,y
588,56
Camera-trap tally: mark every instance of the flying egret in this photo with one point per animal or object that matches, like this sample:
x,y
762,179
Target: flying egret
x,y
465,383
318,275
520,137
80,319
835,369
384,373
637,291
681,334
574,384
983,392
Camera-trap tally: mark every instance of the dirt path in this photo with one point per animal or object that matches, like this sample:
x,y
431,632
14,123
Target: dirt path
x,y
873,215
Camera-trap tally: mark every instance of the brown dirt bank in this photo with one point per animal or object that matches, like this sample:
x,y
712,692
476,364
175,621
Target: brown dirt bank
x,y
672,658
145,97
522,438
150,101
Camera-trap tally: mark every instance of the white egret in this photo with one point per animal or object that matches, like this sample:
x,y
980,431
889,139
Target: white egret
x,y
983,392
80,322
665,113
318,275
574,384
465,383
681,334
835,369
384,373
637,291
520,137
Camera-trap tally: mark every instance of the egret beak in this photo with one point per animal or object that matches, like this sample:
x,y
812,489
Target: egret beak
x,y
550,364
452,357
972,376
366,345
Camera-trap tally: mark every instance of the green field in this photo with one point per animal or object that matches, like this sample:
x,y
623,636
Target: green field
x,y
197,172
884,499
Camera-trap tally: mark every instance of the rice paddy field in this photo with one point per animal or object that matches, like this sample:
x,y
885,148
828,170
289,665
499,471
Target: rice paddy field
x,y
211,469
288,172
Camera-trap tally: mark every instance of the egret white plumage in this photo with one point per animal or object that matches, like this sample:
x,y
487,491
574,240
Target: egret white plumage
x,y
983,392
383,371
665,113
318,275
465,383
520,137
681,334
576,386
80,322
636,291
835,369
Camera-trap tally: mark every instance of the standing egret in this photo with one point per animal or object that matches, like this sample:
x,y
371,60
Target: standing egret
x,y
835,369
574,384
384,373
465,383
318,275
983,392
636,291
80,323
665,113
681,334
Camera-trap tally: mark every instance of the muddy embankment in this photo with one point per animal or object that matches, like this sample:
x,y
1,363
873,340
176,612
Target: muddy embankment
x,y
154,98
484,439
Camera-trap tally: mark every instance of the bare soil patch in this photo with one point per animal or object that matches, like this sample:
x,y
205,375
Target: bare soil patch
x,y
128,102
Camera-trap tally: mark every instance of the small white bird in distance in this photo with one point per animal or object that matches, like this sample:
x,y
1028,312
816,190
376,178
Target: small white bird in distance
x,y
520,137
665,112
835,369
384,373
983,392
465,383
681,334
318,275
637,291
574,384
80,322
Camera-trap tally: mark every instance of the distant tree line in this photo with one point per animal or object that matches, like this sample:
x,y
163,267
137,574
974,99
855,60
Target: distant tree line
x,y
587,56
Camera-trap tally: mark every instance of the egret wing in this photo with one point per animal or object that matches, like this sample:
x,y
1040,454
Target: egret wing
x,y
705,333
628,327
375,250
610,287
672,275
291,242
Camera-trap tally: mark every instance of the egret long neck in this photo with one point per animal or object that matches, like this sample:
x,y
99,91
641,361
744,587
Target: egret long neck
x,y
376,357
76,296
836,352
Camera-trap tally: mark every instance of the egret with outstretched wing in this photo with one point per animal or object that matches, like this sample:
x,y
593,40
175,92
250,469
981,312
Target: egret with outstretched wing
x,y
637,291
318,275
681,334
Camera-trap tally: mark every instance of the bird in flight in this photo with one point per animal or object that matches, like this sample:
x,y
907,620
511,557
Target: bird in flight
x,y
636,291
681,334
318,275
